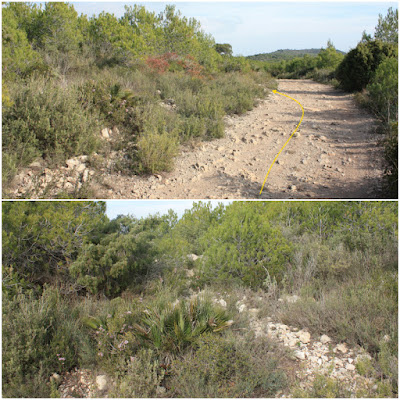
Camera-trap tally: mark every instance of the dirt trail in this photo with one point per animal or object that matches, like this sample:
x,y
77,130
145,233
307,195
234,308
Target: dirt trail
x,y
335,154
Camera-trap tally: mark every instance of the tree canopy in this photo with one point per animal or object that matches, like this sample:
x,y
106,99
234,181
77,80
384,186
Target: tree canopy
x,y
387,29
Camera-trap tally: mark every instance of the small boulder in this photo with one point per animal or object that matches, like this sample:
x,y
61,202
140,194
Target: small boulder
x,y
350,367
189,273
325,339
241,308
386,339
72,163
292,299
342,347
85,175
253,311
105,134
35,165
101,382
300,355
304,337
55,378
83,158
81,167
192,257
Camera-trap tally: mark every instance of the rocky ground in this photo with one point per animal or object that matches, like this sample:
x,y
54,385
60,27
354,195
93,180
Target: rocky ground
x,y
335,154
310,356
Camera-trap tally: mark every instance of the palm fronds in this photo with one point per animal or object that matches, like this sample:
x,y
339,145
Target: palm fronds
x,y
172,328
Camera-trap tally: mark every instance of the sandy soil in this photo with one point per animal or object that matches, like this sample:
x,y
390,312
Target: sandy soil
x,y
335,155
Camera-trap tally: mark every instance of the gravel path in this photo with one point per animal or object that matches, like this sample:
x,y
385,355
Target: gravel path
x,y
335,154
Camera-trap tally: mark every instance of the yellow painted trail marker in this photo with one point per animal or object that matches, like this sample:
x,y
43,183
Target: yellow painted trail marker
x,y
287,141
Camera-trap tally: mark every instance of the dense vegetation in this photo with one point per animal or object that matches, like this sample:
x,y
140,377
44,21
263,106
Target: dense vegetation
x,y
370,70
318,65
80,290
156,80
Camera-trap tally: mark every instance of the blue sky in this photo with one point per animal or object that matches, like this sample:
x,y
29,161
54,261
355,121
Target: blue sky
x,y
144,208
258,27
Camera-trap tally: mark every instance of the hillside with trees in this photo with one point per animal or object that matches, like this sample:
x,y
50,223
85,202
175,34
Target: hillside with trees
x,y
151,82
286,54
197,306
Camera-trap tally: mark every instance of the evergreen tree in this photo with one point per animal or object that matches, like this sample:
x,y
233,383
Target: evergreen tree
x,y
387,29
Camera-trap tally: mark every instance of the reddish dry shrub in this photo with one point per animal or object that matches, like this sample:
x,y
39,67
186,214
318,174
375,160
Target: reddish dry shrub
x,y
172,62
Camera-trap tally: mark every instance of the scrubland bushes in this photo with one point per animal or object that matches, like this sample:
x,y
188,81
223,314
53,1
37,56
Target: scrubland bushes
x,y
358,67
80,290
374,66
44,335
156,78
320,68
225,366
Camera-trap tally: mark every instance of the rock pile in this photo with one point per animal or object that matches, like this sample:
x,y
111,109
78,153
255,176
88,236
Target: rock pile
x,y
38,180
317,355
77,383
82,383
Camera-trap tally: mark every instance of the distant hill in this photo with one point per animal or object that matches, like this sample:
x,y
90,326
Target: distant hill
x,y
286,54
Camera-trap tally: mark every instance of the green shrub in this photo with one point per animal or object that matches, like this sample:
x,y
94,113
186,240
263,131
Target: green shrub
x,y
156,152
40,336
359,65
117,259
114,103
391,144
41,238
141,378
324,387
243,247
236,64
227,366
383,90
364,367
238,92
46,120
172,328
359,312
323,75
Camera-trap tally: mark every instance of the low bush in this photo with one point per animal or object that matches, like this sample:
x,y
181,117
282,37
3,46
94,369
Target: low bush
x,y
47,121
383,90
323,387
141,378
227,366
238,92
41,336
244,248
173,327
391,144
156,152
362,312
